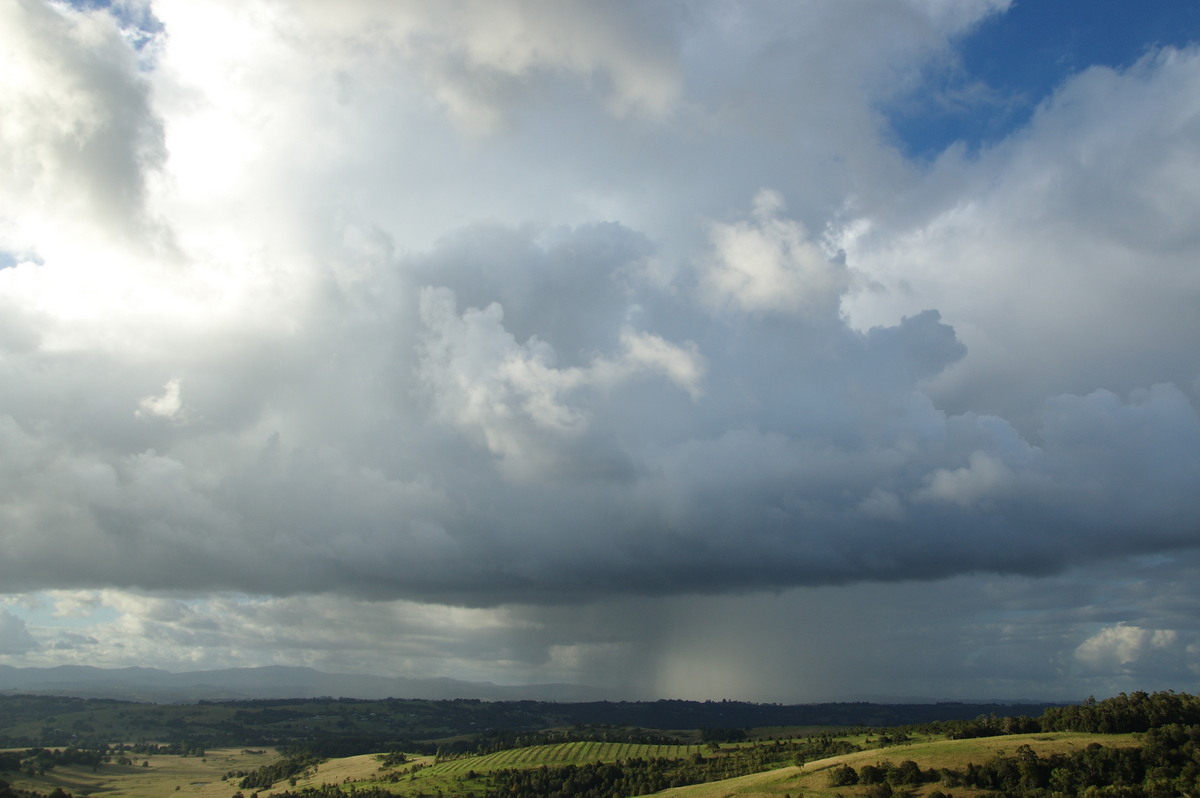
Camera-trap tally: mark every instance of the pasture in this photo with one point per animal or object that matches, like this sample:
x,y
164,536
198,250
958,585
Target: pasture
x,y
812,780
162,775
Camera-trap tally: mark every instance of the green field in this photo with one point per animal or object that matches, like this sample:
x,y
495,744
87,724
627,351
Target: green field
x,y
576,753
162,775
468,775
812,780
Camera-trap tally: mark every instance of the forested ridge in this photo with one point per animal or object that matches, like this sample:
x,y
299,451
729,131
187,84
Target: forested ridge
x,y
341,727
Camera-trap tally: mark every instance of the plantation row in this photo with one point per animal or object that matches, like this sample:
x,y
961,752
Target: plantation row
x,y
605,768
575,753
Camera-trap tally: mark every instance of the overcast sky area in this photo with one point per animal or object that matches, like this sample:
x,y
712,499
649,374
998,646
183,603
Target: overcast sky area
x,y
777,351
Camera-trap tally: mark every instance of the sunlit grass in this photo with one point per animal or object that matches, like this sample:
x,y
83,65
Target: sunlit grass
x,y
162,775
812,780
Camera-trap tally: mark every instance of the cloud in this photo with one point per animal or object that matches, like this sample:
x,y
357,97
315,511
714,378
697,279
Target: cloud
x,y
167,405
770,265
513,394
562,308
967,637
1122,648
14,636
415,450
80,133
478,56
1075,223
330,633
983,476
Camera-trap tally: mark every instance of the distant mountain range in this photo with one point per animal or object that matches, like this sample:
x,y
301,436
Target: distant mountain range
x,y
275,681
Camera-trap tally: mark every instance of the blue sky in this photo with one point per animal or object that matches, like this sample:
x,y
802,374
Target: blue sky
x,y
1003,68
777,351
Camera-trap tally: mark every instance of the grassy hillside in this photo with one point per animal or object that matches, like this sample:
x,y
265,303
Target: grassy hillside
x,y
161,775
813,779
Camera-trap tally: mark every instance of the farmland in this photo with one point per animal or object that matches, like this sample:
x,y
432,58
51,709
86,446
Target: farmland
x,y
814,778
1146,745
206,777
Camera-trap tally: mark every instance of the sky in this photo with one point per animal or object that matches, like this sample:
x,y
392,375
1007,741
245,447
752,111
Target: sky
x,y
772,351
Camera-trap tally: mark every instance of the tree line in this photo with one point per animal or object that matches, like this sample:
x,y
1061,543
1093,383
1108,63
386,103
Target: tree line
x,y
1167,764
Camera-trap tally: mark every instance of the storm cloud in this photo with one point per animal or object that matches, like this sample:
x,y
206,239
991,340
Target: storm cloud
x,y
530,311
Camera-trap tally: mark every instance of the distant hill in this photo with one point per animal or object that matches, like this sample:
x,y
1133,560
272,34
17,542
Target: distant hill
x,y
275,681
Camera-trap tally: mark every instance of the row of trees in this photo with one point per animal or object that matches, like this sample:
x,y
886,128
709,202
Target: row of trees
x,y
1122,714
906,773
40,760
1136,712
1166,764
290,767
9,791
601,780
494,740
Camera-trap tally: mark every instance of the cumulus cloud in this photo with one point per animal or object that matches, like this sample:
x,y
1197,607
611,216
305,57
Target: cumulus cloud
x,y
771,265
499,305
166,405
1122,648
737,452
983,476
1075,224
513,394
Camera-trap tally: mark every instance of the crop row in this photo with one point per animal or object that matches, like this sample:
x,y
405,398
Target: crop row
x,y
575,753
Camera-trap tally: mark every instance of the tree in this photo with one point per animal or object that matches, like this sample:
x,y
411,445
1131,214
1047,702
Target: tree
x,y
845,776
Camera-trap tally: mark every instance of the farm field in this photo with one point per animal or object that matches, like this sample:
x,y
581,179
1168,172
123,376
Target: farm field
x,y
812,780
163,775
468,775
573,753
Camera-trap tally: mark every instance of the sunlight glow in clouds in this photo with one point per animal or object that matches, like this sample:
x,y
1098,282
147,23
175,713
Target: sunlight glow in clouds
x,y
587,342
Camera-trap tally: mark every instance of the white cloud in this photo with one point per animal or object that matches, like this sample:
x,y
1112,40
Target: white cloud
x,y
984,476
477,56
515,395
166,405
1077,223
1120,647
771,265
